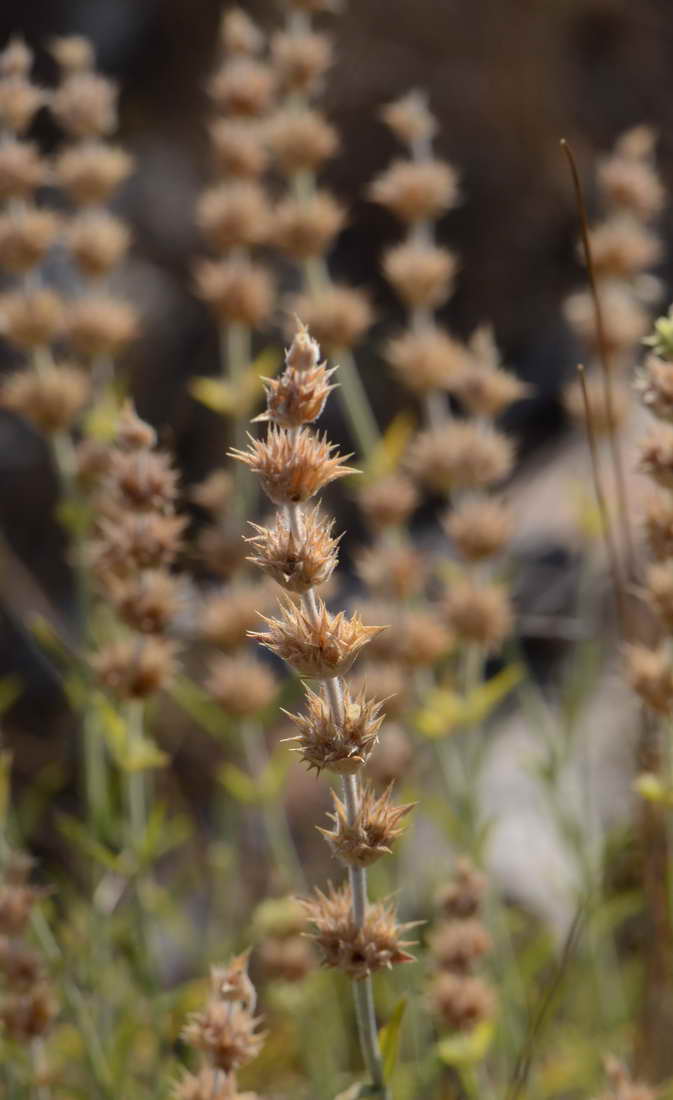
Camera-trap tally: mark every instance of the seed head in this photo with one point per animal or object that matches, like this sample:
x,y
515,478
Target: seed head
x,y
85,104
602,423
317,649
297,397
97,241
73,53
650,674
16,59
241,685
377,825
357,951
21,169
233,214
300,139
479,613
134,541
19,102
236,290
460,1003
463,896
300,60
221,548
388,501
27,1015
416,191
135,669
287,960
31,318
656,455
480,527
392,569
427,359
658,525
621,247
338,316
344,746
422,274
239,34
461,455
242,88
410,118
50,400
138,481
305,228
457,944
625,322
238,147
132,433
632,184
26,235
230,615
227,1033
91,171
297,564
293,468
488,391
303,353
232,982
101,325
147,602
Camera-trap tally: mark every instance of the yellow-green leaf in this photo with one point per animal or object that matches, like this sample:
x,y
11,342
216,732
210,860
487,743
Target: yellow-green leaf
x,y
387,453
486,696
216,394
239,785
389,1037
649,786
466,1048
132,751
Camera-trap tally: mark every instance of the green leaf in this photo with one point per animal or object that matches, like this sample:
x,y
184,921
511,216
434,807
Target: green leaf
x,y
238,783
216,394
132,751
80,835
466,1048
650,787
446,711
200,707
389,1037
386,455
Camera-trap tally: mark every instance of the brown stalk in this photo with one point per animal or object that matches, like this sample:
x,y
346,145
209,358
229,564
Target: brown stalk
x,y
605,365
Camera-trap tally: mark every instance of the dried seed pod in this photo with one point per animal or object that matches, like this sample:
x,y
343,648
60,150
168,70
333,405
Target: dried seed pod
x,y
460,1003
479,613
22,170
85,104
98,242
427,359
297,396
388,501
338,316
133,541
31,318
461,455
338,746
298,564
135,669
140,481
226,1032
300,139
293,467
50,400
236,290
233,214
318,648
241,685
26,235
416,190
305,228
356,950
147,602
91,171
242,88
99,325
369,836
300,60
480,527
421,273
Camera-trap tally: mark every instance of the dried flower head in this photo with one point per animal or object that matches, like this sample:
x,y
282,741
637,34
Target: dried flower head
x,y
232,982
421,273
233,214
416,190
338,316
209,1084
31,318
241,685
300,59
16,904
388,501
22,169
147,602
99,324
356,950
370,835
300,139
138,481
625,322
621,247
656,455
135,669
604,418
293,467
229,615
226,1032
410,119
26,235
304,228
51,399
135,541
239,34
297,396
487,391
658,525
97,241
242,87
340,746
236,290
393,569
296,563
457,944
659,588
85,104
92,171
461,455
631,183
320,647
19,102
463,896
650,674
479,527
427,359
479,613
27,1015
72,52
459,1002
20,967
238,147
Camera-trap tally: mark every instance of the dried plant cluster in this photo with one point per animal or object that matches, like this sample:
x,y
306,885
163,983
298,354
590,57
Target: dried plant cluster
x,y
196,834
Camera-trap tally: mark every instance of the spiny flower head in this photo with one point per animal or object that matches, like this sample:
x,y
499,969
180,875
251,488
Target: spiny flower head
x,y
141,481
338,316
100,324
421,273
388,501
233,214
238,147
303,228
416,191
462,897
377,825
340,746
479,613
427,359
235,289
51,399
457,944
242,87
31,318
85,104
232,982
147,602
479,526
135,669
318,648
227,1033
357,951
461,455
292,468
297,397
296,563
133,541
97,241
460,1002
